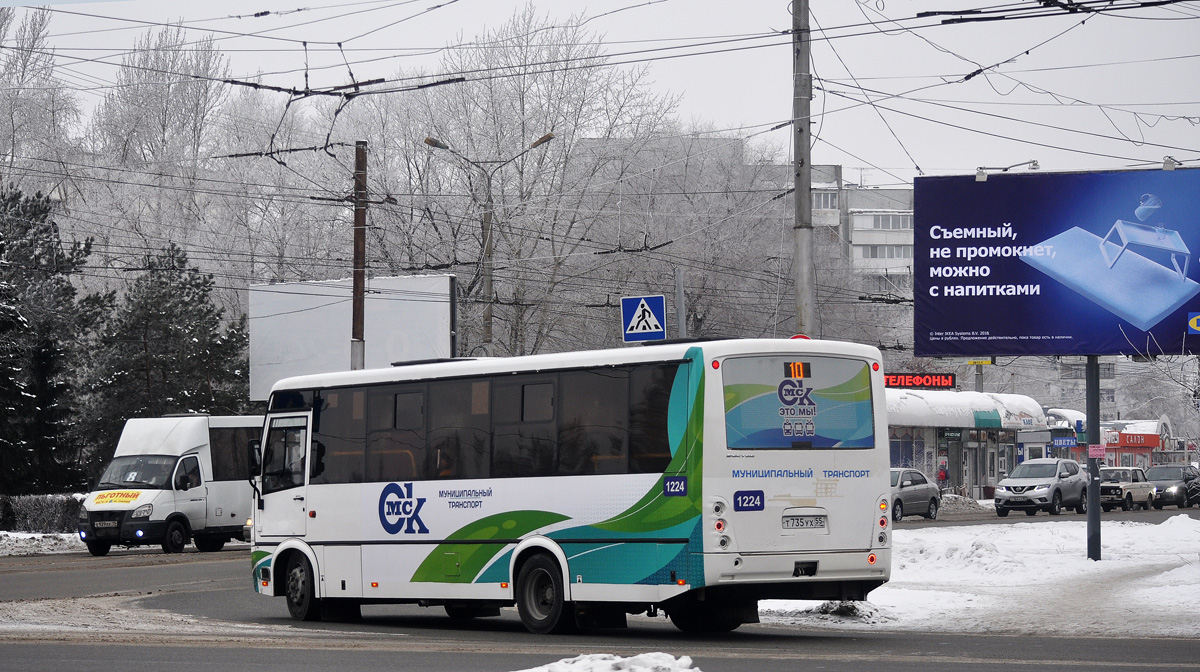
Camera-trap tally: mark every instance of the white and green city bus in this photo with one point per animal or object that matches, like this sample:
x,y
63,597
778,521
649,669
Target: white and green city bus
x,y
692,478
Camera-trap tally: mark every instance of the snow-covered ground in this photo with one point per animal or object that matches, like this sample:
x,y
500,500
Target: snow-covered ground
x,y
1001,578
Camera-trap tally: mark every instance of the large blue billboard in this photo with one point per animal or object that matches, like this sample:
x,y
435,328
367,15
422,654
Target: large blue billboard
x,y
1057,264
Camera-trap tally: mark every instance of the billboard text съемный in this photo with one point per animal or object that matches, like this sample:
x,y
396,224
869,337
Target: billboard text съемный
x,y
1057,264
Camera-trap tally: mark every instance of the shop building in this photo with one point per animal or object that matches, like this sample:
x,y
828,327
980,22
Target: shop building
x,y
971,438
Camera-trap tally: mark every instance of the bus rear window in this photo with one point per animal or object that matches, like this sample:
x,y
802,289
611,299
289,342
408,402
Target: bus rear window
x,y
797,402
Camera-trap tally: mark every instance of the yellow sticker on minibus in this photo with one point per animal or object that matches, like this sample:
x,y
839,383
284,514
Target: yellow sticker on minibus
x,y
116,497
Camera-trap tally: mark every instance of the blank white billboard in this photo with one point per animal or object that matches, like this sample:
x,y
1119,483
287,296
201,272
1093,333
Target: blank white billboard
x,y
298,328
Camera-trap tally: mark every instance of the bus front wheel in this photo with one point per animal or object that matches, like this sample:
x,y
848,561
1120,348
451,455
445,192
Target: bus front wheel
x,y
541,597
301,598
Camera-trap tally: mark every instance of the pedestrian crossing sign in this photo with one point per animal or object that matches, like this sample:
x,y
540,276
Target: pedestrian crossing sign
x,y
643,318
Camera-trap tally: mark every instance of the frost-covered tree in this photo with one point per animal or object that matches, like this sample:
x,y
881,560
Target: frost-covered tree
x,y
149,181
38,114
546,203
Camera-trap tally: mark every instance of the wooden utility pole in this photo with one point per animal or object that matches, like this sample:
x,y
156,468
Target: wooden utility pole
x,y
805,270
357,345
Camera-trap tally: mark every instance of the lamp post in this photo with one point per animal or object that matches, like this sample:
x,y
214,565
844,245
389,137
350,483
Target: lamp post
x,y
981,172
489,169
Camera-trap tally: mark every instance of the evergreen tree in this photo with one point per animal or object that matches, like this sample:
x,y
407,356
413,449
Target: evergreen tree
x,y
14,456
42,323
166,350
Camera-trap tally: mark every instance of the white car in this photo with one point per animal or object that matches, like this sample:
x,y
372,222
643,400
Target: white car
x,y
1043,484
1125,487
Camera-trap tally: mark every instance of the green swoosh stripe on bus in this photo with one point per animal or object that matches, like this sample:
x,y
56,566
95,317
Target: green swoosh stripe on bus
x,y
471,558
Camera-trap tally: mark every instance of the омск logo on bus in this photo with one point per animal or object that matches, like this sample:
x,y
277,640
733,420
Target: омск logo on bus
x,y
794,393
399,510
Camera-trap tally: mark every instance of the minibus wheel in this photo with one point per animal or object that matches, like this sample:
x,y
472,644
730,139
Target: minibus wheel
x,y
98,548
175,538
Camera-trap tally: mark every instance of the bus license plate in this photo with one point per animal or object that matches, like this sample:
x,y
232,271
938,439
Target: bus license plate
x,y
803,522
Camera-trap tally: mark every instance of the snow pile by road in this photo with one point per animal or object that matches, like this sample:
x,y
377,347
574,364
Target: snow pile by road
x,y
112,613
28,543
604,662
1028,578
956,503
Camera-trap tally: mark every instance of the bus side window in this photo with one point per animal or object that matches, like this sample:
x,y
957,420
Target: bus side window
x,y
340,427
593,430
649,395
396,446
459,427
524,434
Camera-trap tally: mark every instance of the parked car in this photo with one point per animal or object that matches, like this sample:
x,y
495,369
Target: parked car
x,y
1043,484
1125,487
1171,482
913,494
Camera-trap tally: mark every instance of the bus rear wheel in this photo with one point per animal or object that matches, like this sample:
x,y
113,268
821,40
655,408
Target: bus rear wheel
x,y
301,597
541,597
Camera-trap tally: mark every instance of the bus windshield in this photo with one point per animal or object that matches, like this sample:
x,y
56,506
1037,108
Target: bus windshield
x,y
137,471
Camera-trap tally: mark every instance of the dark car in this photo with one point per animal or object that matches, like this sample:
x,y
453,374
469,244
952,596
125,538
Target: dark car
x,y
1172,481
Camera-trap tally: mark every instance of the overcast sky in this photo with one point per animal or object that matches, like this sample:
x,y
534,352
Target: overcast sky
x,y
1075,92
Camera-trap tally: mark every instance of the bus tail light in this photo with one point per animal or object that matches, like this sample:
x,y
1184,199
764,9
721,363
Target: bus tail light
x,y
883,505
871,559
720,525
883,522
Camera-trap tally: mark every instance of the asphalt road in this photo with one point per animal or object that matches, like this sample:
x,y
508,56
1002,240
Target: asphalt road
x,y
1153,516
225,625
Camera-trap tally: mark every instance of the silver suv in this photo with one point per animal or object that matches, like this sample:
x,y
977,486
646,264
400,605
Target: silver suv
x,y
1046,484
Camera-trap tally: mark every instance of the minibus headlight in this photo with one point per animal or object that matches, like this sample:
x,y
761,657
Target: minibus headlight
x,y
143,511
83,514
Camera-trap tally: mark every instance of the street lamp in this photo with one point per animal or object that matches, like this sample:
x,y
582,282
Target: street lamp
x,y
981,172
488,168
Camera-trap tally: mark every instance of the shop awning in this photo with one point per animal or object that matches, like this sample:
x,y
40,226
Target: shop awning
x,y
980,410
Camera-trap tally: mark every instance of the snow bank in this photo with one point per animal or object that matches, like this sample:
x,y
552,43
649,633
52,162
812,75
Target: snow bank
x,y
1030,578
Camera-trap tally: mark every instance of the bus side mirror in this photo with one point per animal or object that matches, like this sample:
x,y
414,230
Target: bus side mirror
x,y
318,463
252,457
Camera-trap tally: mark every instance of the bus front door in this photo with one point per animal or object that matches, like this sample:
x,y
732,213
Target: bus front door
x,y
284,510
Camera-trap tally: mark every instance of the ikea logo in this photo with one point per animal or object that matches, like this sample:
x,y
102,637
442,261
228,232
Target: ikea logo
x,y
1193,323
